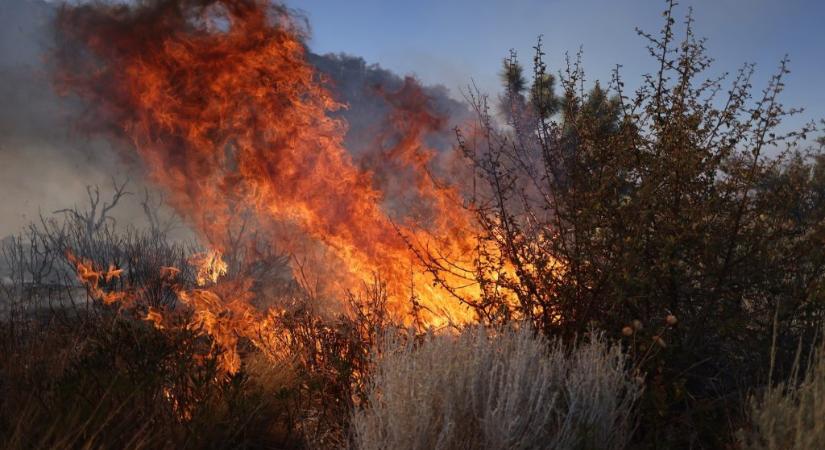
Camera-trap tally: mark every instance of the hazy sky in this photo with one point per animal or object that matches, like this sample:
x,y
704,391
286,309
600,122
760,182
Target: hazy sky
x,y
452,41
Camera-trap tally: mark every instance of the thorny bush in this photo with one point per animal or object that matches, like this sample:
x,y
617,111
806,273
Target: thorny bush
x,y
686,197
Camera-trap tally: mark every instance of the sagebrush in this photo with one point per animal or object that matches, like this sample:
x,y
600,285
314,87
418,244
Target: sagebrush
x,y
498,389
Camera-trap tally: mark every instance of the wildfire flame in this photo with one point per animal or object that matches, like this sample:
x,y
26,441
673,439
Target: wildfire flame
x,y
210,266
222,312
217,99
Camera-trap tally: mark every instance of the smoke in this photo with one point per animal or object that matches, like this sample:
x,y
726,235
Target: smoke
x,y
46,161
364,87
375,97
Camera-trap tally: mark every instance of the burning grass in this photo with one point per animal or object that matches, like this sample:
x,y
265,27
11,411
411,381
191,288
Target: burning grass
x,y
160,359
121,369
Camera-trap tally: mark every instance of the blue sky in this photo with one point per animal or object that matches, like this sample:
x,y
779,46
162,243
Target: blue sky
x,y
452,42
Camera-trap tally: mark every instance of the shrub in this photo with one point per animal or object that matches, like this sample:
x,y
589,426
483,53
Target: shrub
x,y
507,389
119,383
685,197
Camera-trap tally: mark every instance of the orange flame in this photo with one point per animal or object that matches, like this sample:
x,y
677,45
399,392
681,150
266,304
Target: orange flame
x,y
210,266
222,107
223,313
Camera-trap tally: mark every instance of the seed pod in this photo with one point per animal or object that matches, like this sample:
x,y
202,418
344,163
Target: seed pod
x,y
659,341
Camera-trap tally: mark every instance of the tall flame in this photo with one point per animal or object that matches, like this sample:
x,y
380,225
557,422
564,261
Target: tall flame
x,y
219,102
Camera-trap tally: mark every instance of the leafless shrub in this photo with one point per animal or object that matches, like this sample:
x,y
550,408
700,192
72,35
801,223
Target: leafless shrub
x,y
83,374
80,374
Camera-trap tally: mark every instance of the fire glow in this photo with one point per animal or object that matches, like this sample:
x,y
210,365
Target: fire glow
x,y
219,103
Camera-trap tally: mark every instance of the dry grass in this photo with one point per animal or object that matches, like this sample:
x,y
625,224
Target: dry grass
x,y
504,390
790,414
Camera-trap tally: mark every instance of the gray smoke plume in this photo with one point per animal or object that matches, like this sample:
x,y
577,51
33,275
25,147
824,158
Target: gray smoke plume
x,y
362,86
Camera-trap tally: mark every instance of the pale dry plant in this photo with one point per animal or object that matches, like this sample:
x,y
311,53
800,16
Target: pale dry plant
x,y
789,415
500,389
